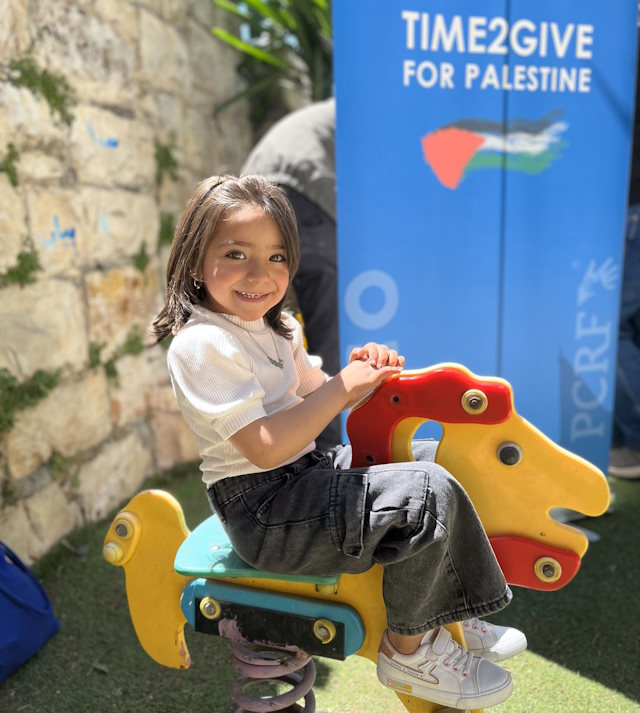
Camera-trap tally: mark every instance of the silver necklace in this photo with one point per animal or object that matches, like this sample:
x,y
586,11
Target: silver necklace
x,y
276,362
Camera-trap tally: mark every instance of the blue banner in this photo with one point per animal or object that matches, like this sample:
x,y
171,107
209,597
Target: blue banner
x,y
483,160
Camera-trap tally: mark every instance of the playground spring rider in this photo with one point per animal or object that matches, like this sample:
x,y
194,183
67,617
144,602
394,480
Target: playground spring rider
x,y
513,474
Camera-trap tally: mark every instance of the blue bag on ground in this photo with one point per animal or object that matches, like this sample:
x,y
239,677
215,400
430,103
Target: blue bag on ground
x,y
26,617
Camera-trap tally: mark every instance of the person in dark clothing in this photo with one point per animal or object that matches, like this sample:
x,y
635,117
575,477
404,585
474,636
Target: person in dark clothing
x,y
624,461
298,154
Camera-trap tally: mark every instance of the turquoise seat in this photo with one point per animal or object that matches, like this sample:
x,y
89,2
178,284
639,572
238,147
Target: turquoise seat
x,y
208,553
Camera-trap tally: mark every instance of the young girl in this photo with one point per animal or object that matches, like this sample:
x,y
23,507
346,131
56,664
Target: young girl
x,y
255,401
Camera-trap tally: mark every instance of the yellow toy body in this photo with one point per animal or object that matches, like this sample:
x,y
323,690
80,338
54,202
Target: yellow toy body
x,y
143,539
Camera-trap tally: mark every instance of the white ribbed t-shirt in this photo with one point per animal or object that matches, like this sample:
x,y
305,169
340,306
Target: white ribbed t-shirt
x,y
223,381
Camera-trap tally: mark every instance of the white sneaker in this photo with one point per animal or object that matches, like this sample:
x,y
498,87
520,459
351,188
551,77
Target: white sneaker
x,y
443,672
493,642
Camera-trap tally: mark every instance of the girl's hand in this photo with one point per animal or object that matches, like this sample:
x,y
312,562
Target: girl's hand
x,y
361,377
378,355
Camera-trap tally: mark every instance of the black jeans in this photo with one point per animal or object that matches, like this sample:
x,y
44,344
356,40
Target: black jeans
x,y
319,516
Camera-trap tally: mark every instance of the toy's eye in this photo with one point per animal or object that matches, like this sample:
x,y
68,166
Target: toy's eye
x,y
510,453
123,529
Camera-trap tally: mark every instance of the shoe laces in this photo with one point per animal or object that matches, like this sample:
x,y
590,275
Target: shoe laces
x,y
454,657
460,661
475,625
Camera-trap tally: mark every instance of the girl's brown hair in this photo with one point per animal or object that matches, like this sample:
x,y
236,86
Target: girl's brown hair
x,y
212,201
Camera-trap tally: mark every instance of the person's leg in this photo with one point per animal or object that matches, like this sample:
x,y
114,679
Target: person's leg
x,y
447,542
438,568
625,456
424,450
490,641
412,518
419,519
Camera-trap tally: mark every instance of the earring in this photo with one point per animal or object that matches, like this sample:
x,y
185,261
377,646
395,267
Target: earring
x,y
196,283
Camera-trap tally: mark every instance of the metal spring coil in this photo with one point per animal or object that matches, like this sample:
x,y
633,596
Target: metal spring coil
x,y
270,663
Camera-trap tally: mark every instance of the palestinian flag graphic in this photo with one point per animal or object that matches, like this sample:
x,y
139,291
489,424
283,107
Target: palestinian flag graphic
x,y
520,145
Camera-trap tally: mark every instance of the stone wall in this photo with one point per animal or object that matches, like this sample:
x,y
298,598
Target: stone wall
x,y
106,125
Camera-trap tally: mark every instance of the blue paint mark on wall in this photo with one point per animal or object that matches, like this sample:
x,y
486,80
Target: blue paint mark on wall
x,y
67,236
108,143
103,222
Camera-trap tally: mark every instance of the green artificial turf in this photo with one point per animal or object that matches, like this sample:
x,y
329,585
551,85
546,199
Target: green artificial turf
x,y
583,657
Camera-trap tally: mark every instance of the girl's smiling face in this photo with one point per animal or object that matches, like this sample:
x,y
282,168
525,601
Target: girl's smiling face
x,y
245,268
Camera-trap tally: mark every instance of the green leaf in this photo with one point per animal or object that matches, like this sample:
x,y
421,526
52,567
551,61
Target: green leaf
x,y
249,49
281,32
279,15
323,18
8,164
21,273
232,7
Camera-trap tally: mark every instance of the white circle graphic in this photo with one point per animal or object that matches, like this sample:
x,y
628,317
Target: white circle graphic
x,y
362,282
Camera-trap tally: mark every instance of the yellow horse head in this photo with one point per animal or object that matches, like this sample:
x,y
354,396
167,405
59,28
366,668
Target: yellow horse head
x,y
512,472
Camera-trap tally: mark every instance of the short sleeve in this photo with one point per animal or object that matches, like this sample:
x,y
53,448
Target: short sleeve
x,y
213,382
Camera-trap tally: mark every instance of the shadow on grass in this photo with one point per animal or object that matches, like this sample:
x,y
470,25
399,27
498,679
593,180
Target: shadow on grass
x,y
592,626
96,664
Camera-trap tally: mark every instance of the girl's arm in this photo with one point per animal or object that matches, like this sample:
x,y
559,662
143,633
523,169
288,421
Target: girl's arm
x,y
274,439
